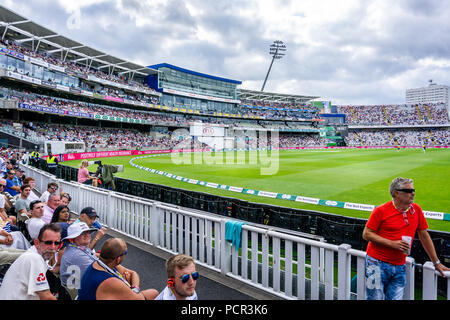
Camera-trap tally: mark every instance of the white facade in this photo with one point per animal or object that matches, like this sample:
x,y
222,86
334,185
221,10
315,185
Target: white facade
x,y
432,94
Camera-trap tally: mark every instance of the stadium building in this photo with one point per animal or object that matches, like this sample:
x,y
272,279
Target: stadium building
x,y
434,93
69,98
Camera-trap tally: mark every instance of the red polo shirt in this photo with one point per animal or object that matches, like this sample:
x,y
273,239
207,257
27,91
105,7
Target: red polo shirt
x,y
389,223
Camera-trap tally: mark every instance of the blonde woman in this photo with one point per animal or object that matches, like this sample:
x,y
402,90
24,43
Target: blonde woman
x,y
84,176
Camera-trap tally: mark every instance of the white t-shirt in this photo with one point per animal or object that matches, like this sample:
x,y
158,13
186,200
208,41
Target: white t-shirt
x,y
2,201
167,294
25,277
34,225
44,196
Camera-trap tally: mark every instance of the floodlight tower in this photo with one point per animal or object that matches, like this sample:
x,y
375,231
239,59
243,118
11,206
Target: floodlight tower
x,y
277,50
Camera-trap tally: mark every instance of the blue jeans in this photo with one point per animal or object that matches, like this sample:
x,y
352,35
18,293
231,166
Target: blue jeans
x,y
384,281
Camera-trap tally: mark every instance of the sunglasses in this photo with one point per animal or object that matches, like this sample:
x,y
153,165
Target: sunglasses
x,y
3,185
407,190
122,254
185,277
49,242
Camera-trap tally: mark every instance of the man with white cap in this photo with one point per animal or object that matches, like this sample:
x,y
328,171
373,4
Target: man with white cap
x,y
77,255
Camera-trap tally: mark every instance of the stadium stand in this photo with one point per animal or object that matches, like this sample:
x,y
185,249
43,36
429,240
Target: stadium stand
x,y
51,98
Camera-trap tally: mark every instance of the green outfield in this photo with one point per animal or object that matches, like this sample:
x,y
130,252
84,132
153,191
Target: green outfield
x,y
351,175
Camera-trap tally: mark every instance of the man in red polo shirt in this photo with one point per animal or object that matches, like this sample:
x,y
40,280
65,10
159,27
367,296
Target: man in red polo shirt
x,y
390,230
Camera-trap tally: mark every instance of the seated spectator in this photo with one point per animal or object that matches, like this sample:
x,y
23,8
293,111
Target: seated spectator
x,y
65,198
61,215
51,188
23,204
107,279
88,216
35,223
3,203
11,188
30,268
30,181
12,239
84,176
77,256
182,279
49,208
9,255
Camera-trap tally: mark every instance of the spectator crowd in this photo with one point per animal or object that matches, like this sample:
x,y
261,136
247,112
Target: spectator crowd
x,y
48,254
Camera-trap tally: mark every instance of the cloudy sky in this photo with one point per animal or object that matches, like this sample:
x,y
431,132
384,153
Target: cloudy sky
x,y
346,51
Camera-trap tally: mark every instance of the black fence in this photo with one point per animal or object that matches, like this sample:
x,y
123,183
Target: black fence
x,y
335,229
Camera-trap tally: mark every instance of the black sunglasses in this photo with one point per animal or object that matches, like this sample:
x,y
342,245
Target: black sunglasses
x,y
407,190
49,242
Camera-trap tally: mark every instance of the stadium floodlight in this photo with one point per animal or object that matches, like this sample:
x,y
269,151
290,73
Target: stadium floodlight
x,y
277,50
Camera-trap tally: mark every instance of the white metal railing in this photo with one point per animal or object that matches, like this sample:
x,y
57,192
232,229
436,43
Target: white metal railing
x,y
282,263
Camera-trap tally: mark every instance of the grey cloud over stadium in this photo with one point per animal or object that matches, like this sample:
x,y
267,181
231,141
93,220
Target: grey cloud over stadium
x,y
351,52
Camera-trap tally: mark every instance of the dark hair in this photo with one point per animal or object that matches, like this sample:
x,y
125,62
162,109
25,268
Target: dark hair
x,y
52,184
52,226
66,195
33,203
55,216
24,186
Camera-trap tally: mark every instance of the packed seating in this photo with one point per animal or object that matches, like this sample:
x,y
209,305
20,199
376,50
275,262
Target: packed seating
x,y
387,115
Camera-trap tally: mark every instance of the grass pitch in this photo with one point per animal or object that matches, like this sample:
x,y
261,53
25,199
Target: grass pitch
x,y
350,175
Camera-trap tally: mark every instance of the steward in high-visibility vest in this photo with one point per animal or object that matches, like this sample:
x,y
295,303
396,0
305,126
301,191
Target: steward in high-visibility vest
x,y
52,162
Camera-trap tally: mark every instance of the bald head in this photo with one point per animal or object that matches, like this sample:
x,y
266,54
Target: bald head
x,y
112,248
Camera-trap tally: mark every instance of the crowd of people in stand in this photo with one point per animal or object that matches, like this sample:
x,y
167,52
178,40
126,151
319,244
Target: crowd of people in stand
x,y
420,114
48,254
403,137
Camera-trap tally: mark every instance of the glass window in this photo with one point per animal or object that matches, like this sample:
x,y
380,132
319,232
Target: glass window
x,y
38,71
3,61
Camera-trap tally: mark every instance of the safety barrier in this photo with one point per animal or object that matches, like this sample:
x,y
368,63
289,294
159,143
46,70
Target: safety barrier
x,y
279,262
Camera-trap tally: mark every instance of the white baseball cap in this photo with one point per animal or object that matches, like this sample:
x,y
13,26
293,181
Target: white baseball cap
x,y
77,228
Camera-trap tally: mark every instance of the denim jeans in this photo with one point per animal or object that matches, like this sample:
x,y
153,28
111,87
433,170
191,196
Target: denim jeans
x,y
384,281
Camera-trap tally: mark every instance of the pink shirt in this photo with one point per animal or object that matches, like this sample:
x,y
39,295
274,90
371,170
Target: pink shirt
x,y
83,175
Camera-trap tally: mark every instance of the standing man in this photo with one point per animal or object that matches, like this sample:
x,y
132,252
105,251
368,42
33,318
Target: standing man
x,y
182,279
25,279
52,163
390,230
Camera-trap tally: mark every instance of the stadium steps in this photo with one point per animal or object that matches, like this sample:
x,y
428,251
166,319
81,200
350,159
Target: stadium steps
x,y
386,116
430,137
353,113
428,112
418,112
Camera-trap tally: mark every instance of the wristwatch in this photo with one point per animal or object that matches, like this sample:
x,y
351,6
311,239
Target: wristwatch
x,y
135,289
436,263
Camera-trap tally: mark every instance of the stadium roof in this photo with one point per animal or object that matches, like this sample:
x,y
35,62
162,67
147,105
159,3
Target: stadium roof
x,y
32,35
170,66
273,97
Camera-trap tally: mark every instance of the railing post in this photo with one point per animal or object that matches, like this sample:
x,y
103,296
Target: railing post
x,y
225,250
344,259
409,289
155,221
429,282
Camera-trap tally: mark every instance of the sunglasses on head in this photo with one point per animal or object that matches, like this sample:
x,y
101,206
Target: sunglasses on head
x,y
407,190
185,277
